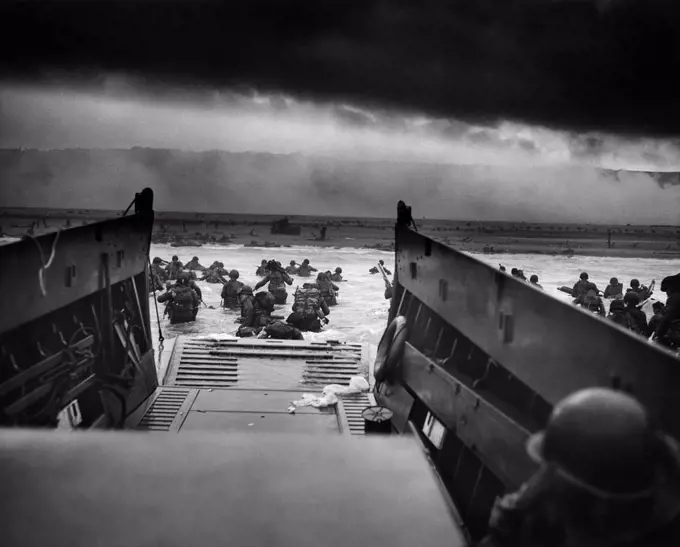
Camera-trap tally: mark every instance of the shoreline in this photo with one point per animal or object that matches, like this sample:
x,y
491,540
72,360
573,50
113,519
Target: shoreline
x,y
196,229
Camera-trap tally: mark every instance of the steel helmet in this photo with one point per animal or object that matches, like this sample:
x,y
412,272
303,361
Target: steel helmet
x,y
234,274
670,283
617,305
632,298
614,281
584,275
245,290
184,276
601,441
634,283
338,270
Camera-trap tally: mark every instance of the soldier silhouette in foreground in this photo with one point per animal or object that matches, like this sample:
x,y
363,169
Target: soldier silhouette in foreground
x,y
607,478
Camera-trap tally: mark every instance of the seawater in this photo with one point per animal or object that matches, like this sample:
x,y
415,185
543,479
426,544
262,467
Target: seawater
x,y
361,313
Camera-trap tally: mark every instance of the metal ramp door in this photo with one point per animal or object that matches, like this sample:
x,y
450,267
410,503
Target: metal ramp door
x,y
248,384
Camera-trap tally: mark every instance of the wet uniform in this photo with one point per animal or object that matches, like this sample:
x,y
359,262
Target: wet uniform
x,y
612,291
327,290
230,292
312,307
173,269
280,330
194,264
277,280
182,303
305,269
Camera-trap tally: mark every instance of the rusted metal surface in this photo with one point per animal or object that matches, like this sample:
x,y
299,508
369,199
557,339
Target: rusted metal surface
x,y
253,363
551,346
75,270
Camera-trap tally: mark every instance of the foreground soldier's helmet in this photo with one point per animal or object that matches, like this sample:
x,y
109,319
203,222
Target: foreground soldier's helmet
x,y
634,283
234,274
157,260
584,275
195,258
613,281
632,298
184,276
174,257
670,283
338,270
292,262
246,290
601,441
534,278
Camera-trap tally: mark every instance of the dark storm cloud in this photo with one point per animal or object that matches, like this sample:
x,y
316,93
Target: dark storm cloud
x,y
575,65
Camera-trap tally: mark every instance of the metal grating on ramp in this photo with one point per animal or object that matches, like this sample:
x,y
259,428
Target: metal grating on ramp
x,y
202,364
164,409
352,405
250,362
337,366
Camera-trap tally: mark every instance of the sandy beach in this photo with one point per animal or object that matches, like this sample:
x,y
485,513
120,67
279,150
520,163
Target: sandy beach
x,y
184,229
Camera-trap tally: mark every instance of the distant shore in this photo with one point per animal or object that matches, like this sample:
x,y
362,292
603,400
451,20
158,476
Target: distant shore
x,y
180,229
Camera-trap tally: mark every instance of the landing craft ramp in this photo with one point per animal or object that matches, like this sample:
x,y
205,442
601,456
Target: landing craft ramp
x,y
248,384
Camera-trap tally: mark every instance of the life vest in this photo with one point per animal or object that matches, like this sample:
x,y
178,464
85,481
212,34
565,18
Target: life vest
x,y
265,301
276,283
581,288
304,271
307,301
183,305
173,269
158,271
591,301
230,292
327,292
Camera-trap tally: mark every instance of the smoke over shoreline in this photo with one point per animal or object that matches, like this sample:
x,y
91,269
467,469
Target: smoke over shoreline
x,y
261,183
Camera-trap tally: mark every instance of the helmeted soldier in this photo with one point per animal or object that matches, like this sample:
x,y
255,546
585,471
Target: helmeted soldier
x,y
607,477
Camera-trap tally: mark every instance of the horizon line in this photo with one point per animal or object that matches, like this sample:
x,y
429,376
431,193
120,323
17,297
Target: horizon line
x,y
118,212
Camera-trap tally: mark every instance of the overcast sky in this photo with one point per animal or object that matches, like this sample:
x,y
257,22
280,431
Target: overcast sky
x,y
113,117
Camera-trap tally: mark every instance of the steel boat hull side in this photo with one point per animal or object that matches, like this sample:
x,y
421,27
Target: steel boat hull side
x,y
488,356
60,348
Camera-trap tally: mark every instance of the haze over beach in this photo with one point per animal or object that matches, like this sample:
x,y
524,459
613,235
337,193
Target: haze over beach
x,y
278,156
